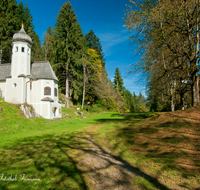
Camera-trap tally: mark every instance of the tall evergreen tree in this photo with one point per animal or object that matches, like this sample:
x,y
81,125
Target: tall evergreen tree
x,y
93,42
8,26
26,18
11,18
118,81
140,102
68,50
48,43
28,21
37,53
20,14
129,103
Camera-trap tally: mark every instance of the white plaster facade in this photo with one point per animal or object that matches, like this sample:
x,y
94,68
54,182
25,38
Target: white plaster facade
x,y
34,84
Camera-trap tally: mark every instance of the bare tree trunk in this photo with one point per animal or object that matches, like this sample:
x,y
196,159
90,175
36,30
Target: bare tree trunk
x,y
192,93
181,100
84,77
67,76
195,90
172,99
45,54
0,56
67,84
193,75
197,51
181,95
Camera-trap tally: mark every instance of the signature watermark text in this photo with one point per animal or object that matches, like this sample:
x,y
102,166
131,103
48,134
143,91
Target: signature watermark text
x,y
16,178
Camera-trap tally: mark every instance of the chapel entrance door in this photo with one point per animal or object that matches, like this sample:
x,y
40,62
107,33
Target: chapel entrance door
x,y
55,111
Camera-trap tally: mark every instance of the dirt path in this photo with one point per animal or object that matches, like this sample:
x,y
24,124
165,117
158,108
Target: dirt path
x,y
106,171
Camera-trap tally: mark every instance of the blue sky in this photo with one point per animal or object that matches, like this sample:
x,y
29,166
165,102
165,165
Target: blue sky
x,y
105,19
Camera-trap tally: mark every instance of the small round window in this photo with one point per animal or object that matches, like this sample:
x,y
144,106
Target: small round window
x,y
14,84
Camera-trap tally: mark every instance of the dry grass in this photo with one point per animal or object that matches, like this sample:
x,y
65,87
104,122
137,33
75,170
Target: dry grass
x,y
166,146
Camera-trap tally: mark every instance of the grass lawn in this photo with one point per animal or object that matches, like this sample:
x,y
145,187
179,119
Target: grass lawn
x,y
105,150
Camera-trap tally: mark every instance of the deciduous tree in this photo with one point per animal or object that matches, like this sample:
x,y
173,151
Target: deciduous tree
x,y
168,32
93,42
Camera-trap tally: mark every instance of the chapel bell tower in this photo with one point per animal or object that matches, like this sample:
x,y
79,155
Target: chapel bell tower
x,y
21,54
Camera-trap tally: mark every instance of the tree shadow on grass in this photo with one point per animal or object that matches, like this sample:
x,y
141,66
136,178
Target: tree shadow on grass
x,y
135,115
173,142
126,118
40,158
66,162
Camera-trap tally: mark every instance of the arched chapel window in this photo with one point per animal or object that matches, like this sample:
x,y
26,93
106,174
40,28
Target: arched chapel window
x,y
55,92
47,90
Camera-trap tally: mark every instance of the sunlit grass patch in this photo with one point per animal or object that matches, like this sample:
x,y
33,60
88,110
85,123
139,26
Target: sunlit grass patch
x,y
53,165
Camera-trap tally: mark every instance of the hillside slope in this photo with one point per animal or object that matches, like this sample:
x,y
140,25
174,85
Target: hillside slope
x,y
165,146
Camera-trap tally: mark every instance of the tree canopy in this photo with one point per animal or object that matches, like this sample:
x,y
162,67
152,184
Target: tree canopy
x,y
118,81
11,18
168,37
68,44
93,42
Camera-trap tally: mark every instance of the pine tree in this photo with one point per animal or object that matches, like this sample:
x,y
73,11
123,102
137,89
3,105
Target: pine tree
x,y
8,26
129,103
135,99
20,14
93,42
26,18
48,43
11,18
68,46
118,81
140,102
28,21
37,53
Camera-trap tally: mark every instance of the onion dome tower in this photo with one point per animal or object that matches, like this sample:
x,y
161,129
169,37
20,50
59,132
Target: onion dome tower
x,y
21,54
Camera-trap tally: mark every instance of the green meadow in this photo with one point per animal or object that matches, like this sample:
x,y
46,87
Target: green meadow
x,y
102,151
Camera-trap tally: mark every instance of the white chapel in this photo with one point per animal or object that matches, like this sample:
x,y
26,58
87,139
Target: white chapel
x,y
33,83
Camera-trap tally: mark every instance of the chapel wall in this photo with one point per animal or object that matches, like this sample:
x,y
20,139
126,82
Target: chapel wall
x,y
37,108
45,110
15,90
35,92
56,97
